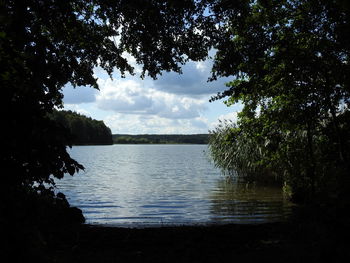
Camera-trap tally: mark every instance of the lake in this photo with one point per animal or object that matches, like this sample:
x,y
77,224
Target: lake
x,y
147,185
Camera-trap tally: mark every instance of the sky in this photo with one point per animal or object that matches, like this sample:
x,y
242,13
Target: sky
x,y
172,104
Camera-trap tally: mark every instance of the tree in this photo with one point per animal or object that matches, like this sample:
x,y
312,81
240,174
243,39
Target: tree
x,y
47,44
289,61
84,130
43,46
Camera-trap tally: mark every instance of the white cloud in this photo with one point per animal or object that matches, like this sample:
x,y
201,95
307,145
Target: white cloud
x,y
122,96
129,97
202,66
175,103
140,124
193,81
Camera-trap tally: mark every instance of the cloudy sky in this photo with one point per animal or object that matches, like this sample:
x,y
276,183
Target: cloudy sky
x,y
172,104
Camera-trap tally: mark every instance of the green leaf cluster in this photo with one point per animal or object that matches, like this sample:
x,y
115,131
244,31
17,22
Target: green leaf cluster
x,y
84,130
45,45
289,61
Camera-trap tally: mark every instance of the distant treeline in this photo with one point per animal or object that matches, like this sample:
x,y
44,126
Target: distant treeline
x,y
161,139
84,130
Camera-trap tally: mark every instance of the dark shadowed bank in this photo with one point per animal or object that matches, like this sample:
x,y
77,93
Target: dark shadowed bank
x,y
230,243
161,139
315,240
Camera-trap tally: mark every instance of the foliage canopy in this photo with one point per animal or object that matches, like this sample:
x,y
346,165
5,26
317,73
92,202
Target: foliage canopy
x,y
289,61
47,44
84,130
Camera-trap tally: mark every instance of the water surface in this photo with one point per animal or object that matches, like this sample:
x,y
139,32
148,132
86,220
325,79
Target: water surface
x,y
140,185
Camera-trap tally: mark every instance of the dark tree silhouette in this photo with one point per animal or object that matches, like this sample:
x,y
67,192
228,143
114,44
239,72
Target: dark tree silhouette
x,y
289,62
289,58
47,44
161,138
84,130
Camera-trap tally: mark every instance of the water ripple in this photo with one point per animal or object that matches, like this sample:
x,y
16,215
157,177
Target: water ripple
x,y
167,184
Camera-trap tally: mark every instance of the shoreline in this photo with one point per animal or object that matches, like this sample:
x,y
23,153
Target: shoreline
x,y
278,242
160,225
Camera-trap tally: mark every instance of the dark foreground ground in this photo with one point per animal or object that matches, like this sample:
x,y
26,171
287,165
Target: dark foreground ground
x,y
275,242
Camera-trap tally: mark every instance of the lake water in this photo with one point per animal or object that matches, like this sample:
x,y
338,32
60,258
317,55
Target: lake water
x,y
142,185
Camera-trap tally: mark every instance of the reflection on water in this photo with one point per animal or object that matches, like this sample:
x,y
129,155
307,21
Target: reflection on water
x,y
133,185
237,201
